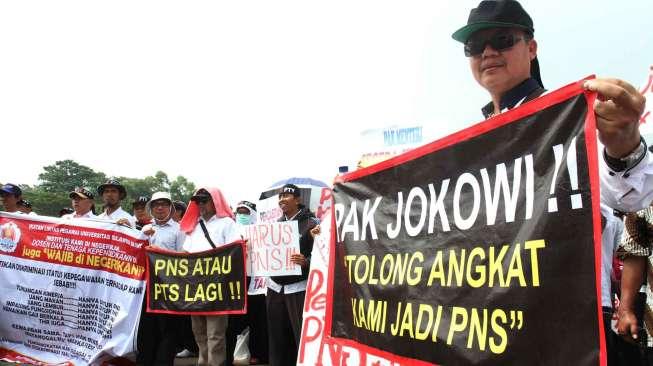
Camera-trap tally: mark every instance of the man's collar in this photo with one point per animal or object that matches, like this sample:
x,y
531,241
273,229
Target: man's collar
x,y
513,96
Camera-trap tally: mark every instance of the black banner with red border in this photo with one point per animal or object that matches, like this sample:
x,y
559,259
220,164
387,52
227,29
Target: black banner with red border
x,y
205,283
480,248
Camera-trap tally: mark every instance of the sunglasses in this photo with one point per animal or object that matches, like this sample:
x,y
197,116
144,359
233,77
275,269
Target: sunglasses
x,y
498,42
200,199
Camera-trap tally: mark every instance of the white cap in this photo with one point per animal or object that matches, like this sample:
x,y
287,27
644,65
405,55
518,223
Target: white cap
x,y
158,196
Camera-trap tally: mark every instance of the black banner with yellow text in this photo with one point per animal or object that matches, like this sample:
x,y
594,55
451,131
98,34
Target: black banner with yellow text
x,y
205,283
480,248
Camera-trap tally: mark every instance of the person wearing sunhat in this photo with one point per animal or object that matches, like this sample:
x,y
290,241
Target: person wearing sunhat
x,y
10,194
499,41
157,333
112,193
209,223
142,215
83,204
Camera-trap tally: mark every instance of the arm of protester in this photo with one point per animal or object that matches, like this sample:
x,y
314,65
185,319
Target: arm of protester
x,y
124,222
618,109
299,258
631,281
634,249
315,231
148,230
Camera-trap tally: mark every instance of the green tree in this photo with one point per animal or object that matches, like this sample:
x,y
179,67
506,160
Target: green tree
x,y
45,203
58,179
182,189
65,175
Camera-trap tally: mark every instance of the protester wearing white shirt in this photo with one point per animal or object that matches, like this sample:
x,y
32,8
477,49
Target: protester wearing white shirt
x,y
163,232
209,209
83,204
157,333
112,192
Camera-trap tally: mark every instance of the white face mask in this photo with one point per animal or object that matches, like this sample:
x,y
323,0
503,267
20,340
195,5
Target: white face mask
x,y
243,219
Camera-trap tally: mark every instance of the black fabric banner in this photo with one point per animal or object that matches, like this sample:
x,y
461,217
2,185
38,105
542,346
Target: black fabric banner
x,y
206,283
481,248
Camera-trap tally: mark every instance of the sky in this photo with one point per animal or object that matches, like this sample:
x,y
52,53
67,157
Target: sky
x,y
241,94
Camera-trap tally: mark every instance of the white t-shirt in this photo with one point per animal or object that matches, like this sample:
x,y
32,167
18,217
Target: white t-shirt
x,y
88,215
630,190
166,236
117,215
222,231
609,241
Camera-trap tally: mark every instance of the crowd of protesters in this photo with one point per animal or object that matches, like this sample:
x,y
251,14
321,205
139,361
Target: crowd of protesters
x,y
500,45
206,222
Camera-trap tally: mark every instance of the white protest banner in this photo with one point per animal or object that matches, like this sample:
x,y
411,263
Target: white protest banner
x,y
269,247
314,349
70,290
380,144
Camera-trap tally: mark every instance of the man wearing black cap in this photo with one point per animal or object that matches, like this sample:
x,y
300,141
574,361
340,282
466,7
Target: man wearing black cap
x,y
10,194
112,192
141,216
499,42
285,296
83,204
25,207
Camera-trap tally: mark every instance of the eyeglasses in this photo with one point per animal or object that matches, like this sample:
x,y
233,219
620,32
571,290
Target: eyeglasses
x,y
161,203
498,41
200,199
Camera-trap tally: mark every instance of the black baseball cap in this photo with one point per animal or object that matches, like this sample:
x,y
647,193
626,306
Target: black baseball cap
x,y
290,188
246,204
495,14
81,192
141,200
499,14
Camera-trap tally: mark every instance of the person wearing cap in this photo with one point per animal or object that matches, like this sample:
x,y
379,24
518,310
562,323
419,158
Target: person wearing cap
x,y
157,333
285,296
83,204
255,318
112,192
499,43
142,215
10,194
25,207
180,210
208,212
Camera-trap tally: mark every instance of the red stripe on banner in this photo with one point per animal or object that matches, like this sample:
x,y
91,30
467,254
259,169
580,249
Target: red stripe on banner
x,y
19,358
375,352
331,271
480,128
592,161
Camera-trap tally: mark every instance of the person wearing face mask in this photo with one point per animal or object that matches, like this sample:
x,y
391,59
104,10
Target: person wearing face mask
x,y
255,318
